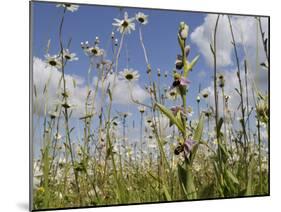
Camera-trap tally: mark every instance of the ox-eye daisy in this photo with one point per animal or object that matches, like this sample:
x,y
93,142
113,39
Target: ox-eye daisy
x,y
129,74
142,18
69,7
53,61
125,25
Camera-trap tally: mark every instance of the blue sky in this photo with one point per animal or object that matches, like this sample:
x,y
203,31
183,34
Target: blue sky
x,y
160,38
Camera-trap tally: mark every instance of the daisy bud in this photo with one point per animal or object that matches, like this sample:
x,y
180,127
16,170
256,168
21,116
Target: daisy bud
x,y
116,42
226,97
221,81
112,35
158,72
183,30
198,99
97,41
166,74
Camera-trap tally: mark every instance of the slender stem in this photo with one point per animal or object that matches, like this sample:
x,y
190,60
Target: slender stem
x,y
66,108
142,44
141,125
118,52
259,160
263,39
215,85
240,85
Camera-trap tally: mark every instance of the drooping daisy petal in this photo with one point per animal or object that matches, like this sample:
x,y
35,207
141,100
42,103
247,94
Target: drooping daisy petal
x,y
69,7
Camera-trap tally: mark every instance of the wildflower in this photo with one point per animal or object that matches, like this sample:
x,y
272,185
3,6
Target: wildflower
x,y
57,136
124,114
166,74
97,40
150,136
187,50
69,56
130,75
183,30
176,109
149,89
208,113
112,35
189,111
125,25
198,98
142,18
69,7
172,94
115,123
65,94
53,61
221,81
66,105
179,63
226,98
180,83
53,114
95,51
41,190
158,72
149,122
262,111
92,51
187,147
264,65
205,92
85,45
141,109
116,42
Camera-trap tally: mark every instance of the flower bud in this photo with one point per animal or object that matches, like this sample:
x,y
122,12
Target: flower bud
x,y
158,72
97,41
187,50
179,63
183,30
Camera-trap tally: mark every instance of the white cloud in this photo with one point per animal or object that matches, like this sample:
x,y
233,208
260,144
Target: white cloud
x,y
249,45
44,75
122,91
245,33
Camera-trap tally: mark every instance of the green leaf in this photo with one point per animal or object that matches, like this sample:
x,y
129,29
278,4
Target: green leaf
x,y
167,112
249,190
193,62
166,193
232,177
219,125
182,178
197,136
199,129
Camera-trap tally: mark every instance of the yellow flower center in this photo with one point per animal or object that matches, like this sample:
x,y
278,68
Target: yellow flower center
x,y
53,63
129,76
125,24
